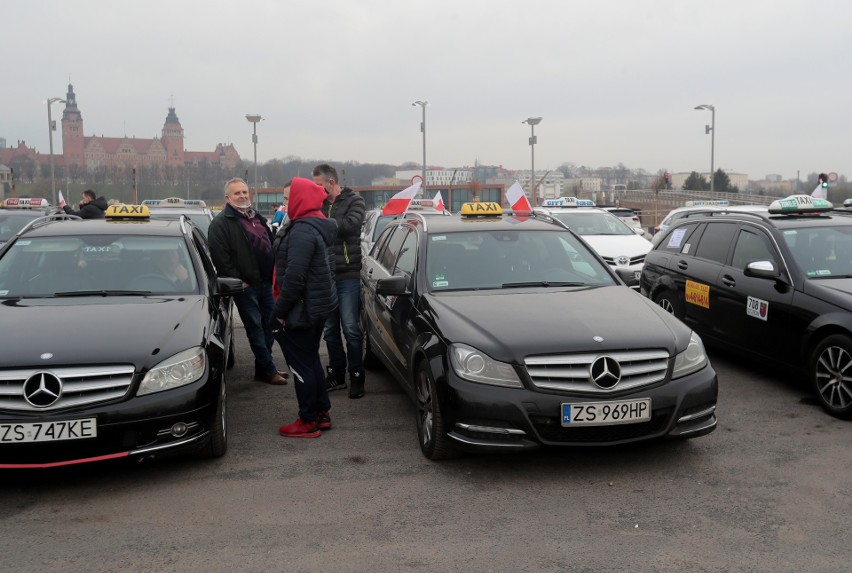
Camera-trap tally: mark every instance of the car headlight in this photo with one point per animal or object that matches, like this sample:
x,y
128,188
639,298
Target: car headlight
x,y
692,359
181,369
471,364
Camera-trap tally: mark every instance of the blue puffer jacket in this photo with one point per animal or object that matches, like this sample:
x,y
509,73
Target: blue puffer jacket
x,y
304,259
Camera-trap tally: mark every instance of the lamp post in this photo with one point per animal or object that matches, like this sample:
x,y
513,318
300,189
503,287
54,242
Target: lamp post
x,y
423,105
51,126
254,118
711,129
533,121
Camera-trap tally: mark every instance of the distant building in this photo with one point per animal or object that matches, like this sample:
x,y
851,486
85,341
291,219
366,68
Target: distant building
x,y
437,177
2,142
774,178
551,183
81,152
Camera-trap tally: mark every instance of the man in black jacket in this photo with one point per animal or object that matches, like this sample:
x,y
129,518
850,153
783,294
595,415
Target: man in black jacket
x,y
90,207
348,209
304,259
241,247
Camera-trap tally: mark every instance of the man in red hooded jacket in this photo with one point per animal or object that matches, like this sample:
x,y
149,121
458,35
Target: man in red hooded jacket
x,y
304,263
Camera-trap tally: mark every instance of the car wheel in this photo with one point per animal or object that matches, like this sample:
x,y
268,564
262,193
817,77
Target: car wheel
x,y
831,375
669,302
218,444
370,360
434,442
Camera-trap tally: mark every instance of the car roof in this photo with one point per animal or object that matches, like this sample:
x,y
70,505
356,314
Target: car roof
x,y
779,221
94,227
456,223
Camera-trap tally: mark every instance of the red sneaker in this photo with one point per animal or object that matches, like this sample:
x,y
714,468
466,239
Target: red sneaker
x,y
300,429
324,420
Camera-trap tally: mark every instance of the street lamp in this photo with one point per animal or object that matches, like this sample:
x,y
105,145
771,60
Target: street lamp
x,y
533,121
423,105
51,127
254,118
711,129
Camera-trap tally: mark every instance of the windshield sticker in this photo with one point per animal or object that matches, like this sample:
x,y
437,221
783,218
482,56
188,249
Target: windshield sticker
x,y
698,294
4,292
790,232
757,308
685,250
822,272
676,239
24,242
438,284
438,237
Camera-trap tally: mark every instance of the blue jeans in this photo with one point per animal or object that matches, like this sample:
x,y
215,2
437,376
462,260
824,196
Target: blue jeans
x,y
301,350
346,316
255,306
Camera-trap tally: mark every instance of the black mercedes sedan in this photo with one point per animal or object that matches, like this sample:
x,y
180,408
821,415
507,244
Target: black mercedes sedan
x,y
509,333
116,341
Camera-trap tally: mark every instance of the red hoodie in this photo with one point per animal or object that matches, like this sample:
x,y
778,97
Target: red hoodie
x,y
306,199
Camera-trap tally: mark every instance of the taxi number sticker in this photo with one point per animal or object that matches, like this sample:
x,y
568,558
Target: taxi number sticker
x,y
698,294
757,308
440,283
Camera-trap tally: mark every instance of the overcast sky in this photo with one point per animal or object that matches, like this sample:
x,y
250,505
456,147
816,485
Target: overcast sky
x,y
615,81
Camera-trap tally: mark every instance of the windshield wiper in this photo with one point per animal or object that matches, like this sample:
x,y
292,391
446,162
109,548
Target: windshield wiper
x,y
542,284
103,293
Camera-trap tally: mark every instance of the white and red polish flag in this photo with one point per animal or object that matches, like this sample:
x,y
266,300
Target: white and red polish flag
x,y
61,199
517,199
439,202
398,204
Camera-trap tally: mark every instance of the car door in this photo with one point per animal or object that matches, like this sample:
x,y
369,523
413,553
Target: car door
x,y
755,313
395,312
698,267
381,266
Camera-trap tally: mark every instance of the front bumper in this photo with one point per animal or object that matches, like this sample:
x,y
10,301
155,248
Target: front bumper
x,y
173,421
481,417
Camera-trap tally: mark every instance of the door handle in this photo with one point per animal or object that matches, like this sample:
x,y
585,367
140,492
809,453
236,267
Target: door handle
x,y
729,281
682,265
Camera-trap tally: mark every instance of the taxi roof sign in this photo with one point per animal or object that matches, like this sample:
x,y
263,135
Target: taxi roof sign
x,y
481,209
568,202
707,203
421,204
797,204
174,202
24,202
122,211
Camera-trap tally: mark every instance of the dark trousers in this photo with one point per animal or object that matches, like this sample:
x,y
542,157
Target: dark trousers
x,y
255,306
301,350
345,316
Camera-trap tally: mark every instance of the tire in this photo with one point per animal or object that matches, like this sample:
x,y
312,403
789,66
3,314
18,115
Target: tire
x,y
369,358
831,375
669,302
218,442
431,432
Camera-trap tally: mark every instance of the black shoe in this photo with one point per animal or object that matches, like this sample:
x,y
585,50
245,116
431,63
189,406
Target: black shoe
x,y
334,380
356,379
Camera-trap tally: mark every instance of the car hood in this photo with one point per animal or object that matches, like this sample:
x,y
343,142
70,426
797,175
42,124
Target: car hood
x,y
94,330
509,325
834,291
618,245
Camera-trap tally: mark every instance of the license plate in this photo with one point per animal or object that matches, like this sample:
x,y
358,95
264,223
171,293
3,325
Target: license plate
x,y
606,413
11,433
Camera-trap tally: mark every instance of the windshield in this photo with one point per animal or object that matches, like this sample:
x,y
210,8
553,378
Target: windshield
x,y
91,265
592,223
821,252
504,259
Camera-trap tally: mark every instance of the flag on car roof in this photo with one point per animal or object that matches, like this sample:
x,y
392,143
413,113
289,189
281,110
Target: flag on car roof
x,y
517,199
398,204
61,199
819,192
439,202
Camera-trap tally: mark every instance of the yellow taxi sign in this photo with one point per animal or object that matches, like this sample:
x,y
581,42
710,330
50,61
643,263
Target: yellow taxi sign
x,y
122,211
480,209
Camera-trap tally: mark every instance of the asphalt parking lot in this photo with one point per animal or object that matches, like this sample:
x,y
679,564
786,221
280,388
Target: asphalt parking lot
x,y
768,491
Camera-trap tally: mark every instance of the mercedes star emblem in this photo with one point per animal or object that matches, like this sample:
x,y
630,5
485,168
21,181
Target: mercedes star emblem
x,y
42,389
605,372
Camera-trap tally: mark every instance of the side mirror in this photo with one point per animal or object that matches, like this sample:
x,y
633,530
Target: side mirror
x,y
762,270
393,286
226,286
639,231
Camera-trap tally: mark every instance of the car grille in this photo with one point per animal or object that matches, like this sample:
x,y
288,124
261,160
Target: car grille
x,y
637,260
572,372
81,386
551,430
